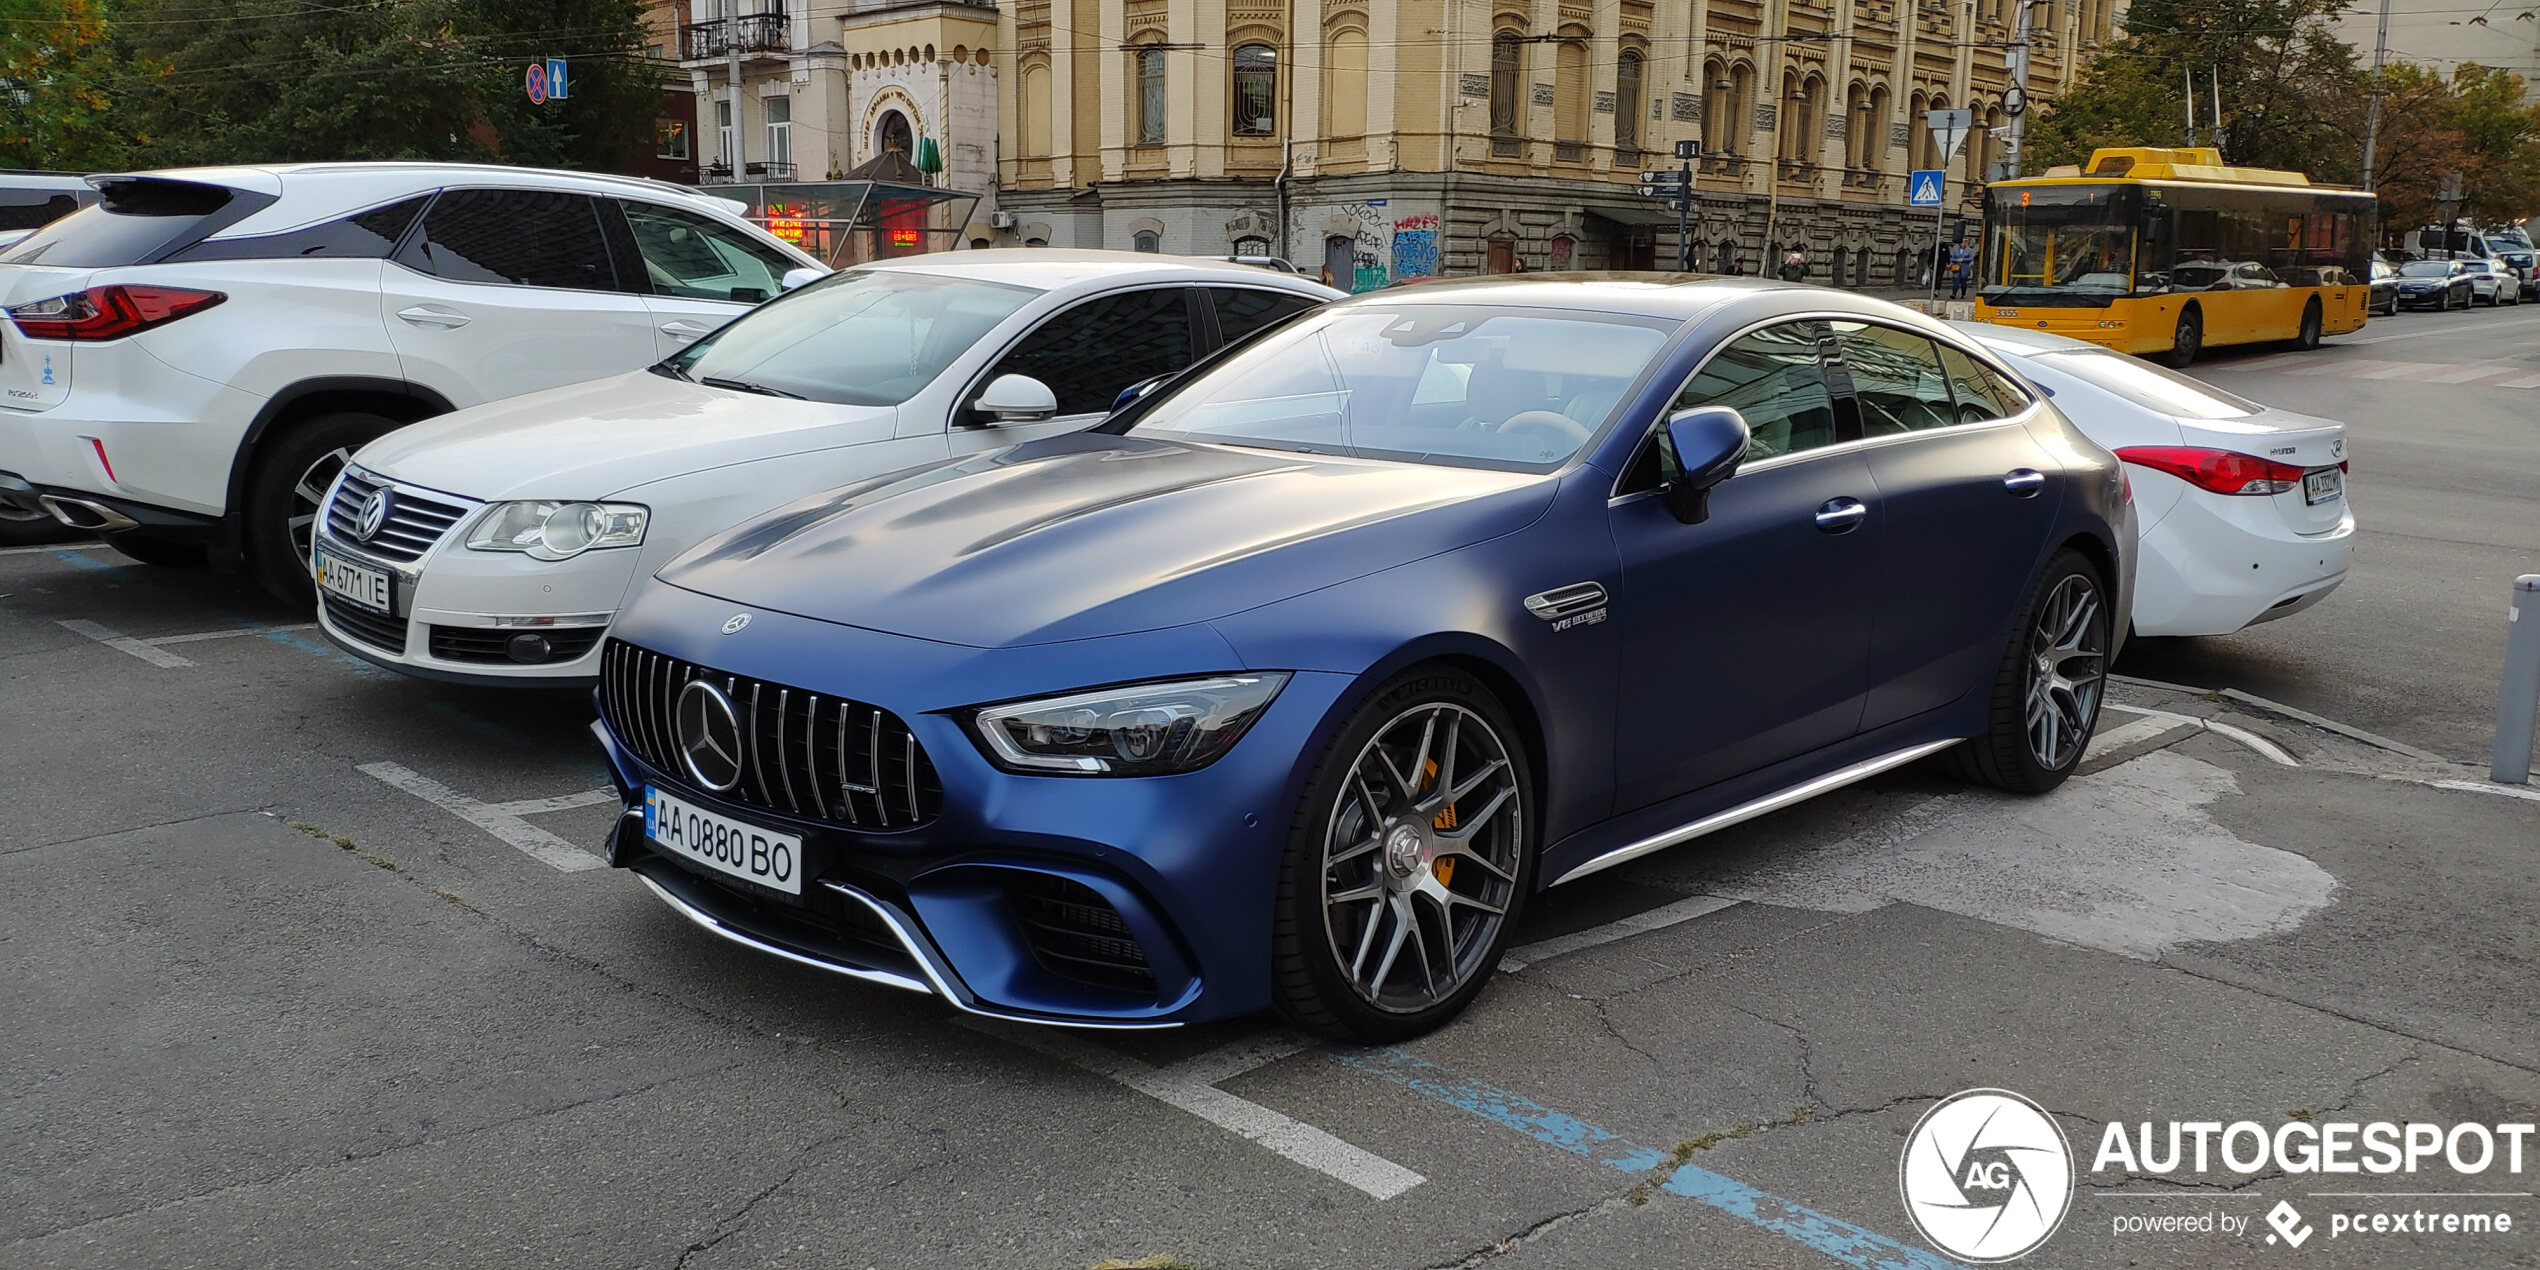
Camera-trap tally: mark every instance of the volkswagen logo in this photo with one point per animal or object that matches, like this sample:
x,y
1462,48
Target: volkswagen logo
x,y
734,624
709,736
371,514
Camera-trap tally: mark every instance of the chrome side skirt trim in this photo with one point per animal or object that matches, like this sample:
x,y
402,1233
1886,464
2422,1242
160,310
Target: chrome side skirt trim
x,y
1769,803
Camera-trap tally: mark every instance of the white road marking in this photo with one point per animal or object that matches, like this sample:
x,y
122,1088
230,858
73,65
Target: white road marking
x,y
123,643
2263,747
2109,740
51,548
561,802
1190,1086
1659,918
2442,332
227,634
2126,860
532,841
2522,792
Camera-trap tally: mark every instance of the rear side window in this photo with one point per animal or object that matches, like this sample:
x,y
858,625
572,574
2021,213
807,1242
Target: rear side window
x,y
34,209
1896,380
367,235
1242,310
1981,394
1089,353
528,238
134,221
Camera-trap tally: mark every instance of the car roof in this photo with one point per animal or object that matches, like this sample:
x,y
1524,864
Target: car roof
x,y
398,176
1055,268
1657,295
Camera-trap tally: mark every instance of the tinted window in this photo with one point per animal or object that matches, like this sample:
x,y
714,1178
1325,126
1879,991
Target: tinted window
x,y
1896,378
865,337
370,235
1241,310
132,223
1773,378
1089,353
33,209
698,258
529,238
1982,394
1454,384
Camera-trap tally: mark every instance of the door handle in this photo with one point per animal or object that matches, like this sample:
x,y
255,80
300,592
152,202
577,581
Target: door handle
x,y
2024,482
1842,515
432,315
684,330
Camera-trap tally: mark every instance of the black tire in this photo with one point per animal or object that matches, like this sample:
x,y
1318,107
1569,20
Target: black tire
x,y
2007,755
2187,342
1384,842
158,551
2308,337
281,510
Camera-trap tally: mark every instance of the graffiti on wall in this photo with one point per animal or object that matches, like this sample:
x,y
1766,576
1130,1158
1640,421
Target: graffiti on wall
x,y
1415,247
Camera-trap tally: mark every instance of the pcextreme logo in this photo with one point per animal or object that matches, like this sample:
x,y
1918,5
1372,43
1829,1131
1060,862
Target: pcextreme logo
x,y
1987,1175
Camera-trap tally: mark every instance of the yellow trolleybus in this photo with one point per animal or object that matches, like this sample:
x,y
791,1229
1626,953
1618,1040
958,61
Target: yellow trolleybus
x,y
2168,252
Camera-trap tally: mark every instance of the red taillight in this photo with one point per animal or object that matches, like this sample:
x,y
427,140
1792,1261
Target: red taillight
x,y
2220,471
106,313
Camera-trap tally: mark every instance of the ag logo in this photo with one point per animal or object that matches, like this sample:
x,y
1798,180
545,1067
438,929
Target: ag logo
x,y
1986,1176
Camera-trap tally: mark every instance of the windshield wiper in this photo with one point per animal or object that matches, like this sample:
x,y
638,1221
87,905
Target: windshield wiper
x,y
743,385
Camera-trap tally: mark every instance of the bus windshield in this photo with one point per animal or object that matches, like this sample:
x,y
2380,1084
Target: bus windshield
x,y
2067,244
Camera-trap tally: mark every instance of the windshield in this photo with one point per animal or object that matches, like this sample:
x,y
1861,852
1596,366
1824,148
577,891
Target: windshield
x,y
2426,269
2149,386
1461,385
865,337
2068,243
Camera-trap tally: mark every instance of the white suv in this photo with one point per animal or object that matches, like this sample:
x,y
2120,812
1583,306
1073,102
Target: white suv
x,y
188,364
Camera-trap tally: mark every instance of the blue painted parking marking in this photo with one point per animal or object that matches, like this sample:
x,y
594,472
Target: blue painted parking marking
x,y
1833,1236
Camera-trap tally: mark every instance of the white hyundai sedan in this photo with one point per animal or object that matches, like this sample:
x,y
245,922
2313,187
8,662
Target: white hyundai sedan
x,y
2242,506
494,545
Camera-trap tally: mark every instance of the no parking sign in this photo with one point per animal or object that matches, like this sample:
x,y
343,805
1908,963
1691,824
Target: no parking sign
x,y
545,81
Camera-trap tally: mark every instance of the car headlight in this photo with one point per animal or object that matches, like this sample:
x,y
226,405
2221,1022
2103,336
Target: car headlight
x,y
1151,729
558,531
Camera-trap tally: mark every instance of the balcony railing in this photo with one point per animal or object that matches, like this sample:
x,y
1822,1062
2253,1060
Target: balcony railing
x,y
748,33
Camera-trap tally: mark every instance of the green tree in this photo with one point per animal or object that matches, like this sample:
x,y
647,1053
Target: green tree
x,y
58,73
275,80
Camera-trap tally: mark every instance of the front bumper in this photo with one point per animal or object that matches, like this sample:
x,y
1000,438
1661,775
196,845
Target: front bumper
x,y
989,902
458,611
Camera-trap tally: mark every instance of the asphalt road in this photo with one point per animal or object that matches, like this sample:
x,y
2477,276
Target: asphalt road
x,y
305,964
2446,486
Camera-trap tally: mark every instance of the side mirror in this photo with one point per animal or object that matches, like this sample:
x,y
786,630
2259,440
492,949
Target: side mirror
x,y
1015,399
1133,392
803,277
1707,443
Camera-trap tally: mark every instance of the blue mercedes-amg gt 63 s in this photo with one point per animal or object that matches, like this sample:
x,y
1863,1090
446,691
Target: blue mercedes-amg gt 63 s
x,y
1290,683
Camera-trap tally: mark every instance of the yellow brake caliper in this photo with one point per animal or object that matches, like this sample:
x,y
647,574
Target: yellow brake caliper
x,y
1443,866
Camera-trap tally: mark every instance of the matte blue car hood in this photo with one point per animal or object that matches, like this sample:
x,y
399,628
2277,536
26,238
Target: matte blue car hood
x,y
1089,535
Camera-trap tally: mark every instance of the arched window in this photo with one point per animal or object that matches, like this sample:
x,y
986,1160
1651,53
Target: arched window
x,y
1562,254
1146,240
1506,68
1036,110
1150,97
1874,146
1737,133
1570,95
1252,246
1256,90
1715,107
1627,103
1856,123
893,135
1345,84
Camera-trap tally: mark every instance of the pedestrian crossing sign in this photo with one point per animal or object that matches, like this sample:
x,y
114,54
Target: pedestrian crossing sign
x,y
1923,188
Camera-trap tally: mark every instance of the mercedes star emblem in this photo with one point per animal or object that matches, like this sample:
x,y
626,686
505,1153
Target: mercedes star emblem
x,y
709,736
736,622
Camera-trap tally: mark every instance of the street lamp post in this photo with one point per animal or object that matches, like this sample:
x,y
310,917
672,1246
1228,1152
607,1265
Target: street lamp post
x,y
2372,107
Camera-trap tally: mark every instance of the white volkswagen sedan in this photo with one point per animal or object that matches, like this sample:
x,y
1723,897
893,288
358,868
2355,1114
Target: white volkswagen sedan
x,y
494,545
2242,506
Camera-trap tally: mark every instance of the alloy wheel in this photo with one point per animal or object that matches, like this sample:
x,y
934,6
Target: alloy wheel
x,y
2067,670
310,493
1420,857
